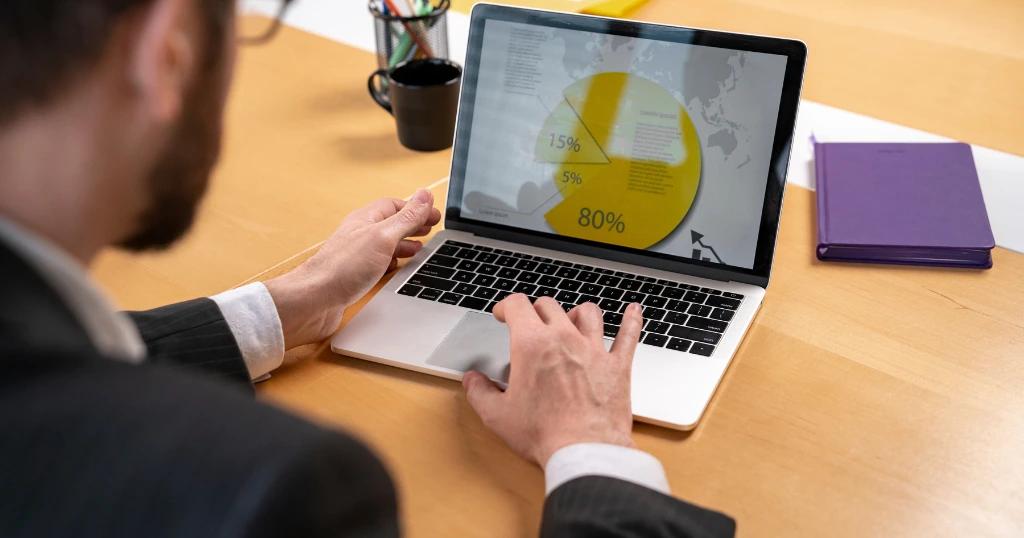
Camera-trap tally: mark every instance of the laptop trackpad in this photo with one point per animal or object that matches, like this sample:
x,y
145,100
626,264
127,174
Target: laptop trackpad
x,y
479,342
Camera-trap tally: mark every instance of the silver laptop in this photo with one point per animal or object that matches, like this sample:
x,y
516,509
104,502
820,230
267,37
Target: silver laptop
x,y
606,161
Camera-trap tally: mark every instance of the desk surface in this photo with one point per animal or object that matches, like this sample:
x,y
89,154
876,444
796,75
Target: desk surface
x,y
864,401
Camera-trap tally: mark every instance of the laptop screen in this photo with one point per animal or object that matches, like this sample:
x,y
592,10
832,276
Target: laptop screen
x,y
658,146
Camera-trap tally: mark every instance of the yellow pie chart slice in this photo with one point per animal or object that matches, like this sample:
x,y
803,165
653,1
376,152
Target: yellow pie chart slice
x,y
628,160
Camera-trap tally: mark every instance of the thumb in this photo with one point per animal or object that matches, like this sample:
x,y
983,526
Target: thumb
x,y
483,395
411,217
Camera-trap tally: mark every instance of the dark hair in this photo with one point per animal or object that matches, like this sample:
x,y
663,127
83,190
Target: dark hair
x,y
46,44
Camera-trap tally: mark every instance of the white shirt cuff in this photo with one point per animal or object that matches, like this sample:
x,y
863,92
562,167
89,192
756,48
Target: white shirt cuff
x,y
599,459
253,320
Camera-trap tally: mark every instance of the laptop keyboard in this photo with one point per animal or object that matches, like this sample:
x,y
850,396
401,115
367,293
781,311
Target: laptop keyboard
x,y
677,316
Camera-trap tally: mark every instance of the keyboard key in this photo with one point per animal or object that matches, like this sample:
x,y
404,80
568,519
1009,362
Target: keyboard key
x,y
604,271
702,349
696,335
490,307
484,280
657,327
487,269
502,252
458,244
653,313
543,259
432,282
548,280
567,296
410,290
567,272
707,324
444,261
474,303
588,277
430,294
609,280
675,317
547,269
466,254
613,318
610,330
468,265
507,272
655,301
447,249
485,293
630,284
732,295
561,263
450,298
678,306
571,285
653,339
724,315
611,293
482,248
710,291
666,283
672,293
498,297
526,288
723,302
504,284
436,270
464,276
610,305
695,297
588,299
465,289
646,279
678,344
651,288
590,289
689,287
633,297
545,291
699,310
528,277
487,257
527,265
505,261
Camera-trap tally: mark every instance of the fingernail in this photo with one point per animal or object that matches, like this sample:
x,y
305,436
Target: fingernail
x,y
635,307
421,196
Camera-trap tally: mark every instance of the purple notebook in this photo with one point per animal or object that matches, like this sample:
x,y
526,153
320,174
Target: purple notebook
x,y
917,204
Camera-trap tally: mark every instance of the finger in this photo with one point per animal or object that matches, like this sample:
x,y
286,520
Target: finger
x,y
483,395
407,248
515,309
588,319
550,311
629,332
410,218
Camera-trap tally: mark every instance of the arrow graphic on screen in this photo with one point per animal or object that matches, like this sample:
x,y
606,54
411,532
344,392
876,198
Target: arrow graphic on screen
x,y
696,238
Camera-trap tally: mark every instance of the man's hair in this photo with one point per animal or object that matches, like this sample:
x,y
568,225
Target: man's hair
x,y
45,45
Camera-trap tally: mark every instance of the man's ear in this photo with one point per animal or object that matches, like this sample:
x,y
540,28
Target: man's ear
x,y
162,57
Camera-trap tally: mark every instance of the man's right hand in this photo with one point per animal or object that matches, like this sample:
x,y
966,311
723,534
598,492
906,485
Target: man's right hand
x,y
563,388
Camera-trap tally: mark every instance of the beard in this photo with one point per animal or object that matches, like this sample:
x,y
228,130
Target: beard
x,y
179,177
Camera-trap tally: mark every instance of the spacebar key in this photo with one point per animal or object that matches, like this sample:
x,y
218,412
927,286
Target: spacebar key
x,y
432,282
694,334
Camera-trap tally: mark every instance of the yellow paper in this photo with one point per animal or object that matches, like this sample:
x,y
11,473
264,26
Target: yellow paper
x,y
613,8
575,6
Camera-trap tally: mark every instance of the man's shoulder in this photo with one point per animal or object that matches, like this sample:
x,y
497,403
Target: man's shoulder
x,y
89,437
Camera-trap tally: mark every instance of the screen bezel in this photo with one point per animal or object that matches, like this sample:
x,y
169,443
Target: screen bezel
x,y
795,52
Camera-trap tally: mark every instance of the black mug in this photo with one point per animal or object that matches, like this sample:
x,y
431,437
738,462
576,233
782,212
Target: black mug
x,y
423,96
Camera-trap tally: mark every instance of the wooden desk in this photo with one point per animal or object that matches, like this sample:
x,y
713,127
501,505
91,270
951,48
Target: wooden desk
x,y
866,401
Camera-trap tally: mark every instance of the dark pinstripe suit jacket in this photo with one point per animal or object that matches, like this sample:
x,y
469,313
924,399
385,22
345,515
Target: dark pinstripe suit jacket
x,y
94,447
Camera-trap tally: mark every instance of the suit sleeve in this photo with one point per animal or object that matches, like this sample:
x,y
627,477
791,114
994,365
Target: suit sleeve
x,y
193,334
604,507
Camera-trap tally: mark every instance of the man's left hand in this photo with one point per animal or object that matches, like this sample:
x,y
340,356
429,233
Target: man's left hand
x,y
311,298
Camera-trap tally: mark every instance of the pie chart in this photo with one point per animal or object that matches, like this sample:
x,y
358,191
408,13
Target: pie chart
x,y
627,159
